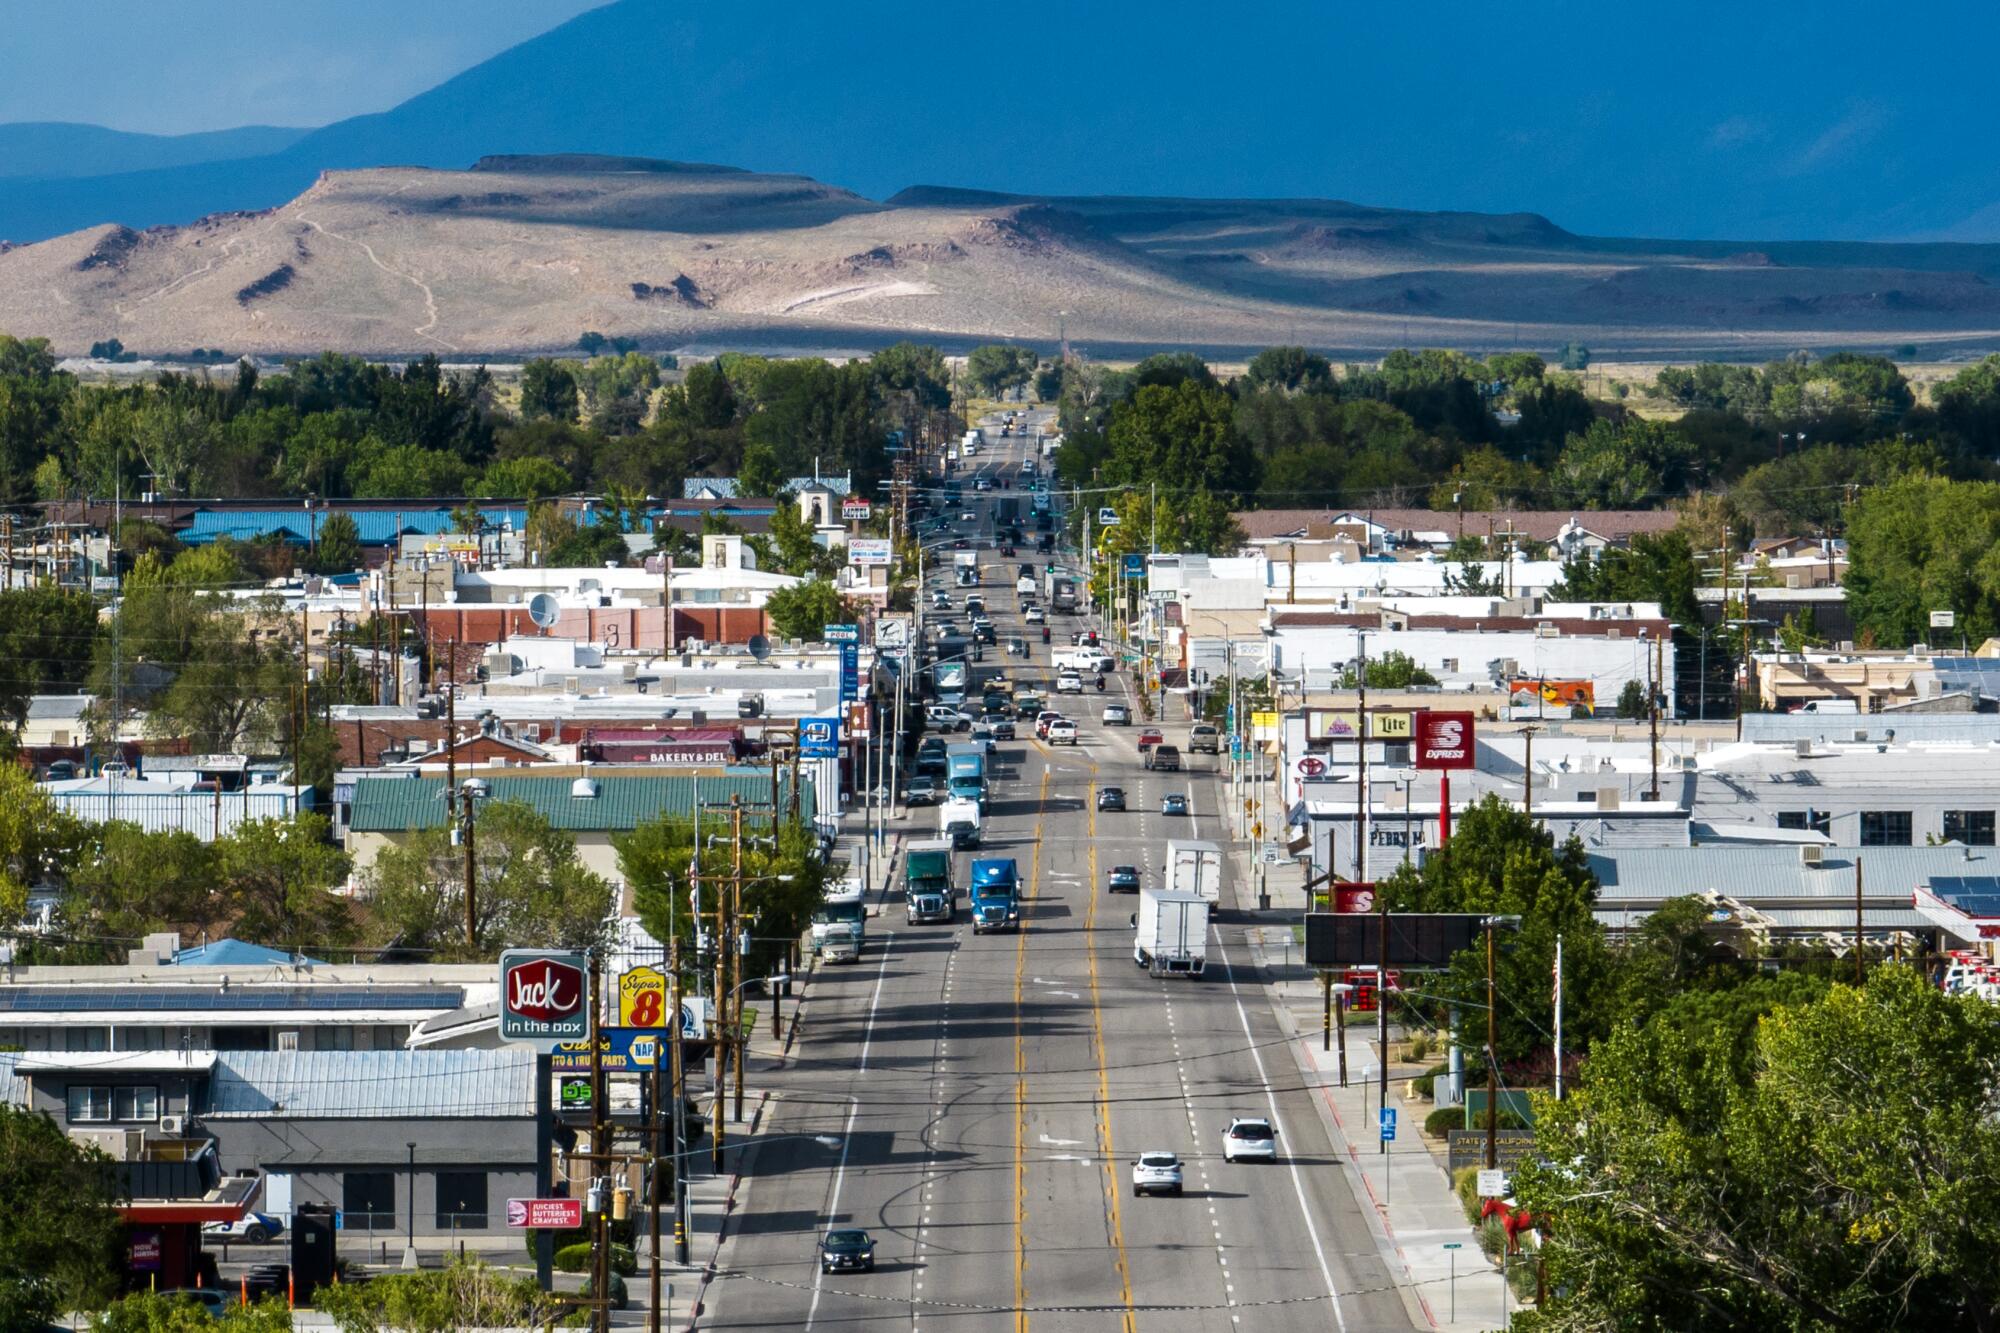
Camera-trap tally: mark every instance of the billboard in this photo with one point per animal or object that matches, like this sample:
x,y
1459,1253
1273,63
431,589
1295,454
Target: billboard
x,y
865,551
819,738
1444,740
544,998
1324,724
1416,939
1553,693
620,1050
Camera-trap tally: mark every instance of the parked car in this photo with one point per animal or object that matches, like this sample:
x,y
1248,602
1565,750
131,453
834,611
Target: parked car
x,y
252,1228
1110,798
1122,879
847,1250
1156,1173
1117,715
1173,803
1250,1137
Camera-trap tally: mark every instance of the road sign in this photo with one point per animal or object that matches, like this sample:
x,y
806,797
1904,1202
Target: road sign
x,y
621,1050
642,998
819,738
1388,1119
1492,1183
544,998
1454,1245
1416,939
548,1214
1272,854
1107,517
842,633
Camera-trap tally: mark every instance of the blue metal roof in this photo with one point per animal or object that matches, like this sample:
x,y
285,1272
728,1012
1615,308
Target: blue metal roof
x,y
372,1085
378,527
234,953
182,997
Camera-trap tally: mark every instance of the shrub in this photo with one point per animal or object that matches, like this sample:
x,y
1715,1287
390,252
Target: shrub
x,y
576,1259
1444,1119
464,1295
1420,1045
164,1312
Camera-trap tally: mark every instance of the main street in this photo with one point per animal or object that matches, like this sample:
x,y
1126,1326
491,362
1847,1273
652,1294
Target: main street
x,y
975,1102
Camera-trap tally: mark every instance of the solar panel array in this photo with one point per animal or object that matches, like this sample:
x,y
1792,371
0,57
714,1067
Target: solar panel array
x,y
156,999
1978,674
1974,895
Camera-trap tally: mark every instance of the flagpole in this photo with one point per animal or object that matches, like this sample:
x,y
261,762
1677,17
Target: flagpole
x,y
1559,1017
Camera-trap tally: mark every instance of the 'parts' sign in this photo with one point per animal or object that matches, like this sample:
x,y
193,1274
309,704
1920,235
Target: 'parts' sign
x,y
544,998
1443,740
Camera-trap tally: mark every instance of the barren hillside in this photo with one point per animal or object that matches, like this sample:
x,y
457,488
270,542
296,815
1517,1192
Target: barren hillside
x,y
521,255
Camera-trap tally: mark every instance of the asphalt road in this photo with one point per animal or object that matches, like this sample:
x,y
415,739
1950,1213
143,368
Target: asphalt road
x,y
975,1102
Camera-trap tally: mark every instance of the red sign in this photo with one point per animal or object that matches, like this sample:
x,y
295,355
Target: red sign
x,y
1354,897
551,1214
1443,740
544,990
1362,998
1311,766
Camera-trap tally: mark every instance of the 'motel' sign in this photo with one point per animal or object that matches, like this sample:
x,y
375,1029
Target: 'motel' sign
x,y
544,998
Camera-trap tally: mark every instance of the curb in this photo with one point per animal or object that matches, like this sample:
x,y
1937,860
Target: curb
x,y
700,1295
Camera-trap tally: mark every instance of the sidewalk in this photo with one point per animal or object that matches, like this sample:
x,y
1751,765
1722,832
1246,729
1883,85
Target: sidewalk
x,y
1415,1213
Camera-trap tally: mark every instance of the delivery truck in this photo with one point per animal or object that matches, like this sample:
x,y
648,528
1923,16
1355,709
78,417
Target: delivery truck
x,y
928,893
961,821
1194,867
1171,933
840,924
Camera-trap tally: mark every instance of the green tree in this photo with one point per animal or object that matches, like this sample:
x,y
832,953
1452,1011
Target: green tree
x,y
916,369
804,610
548,391
793,545
1501,862
1485,478
126,883
1968,407
338,549
1292,369
531,891
231,688
521,479
657,860
59,1234
1393,670
274,879
46,639
1920,544
762,473
1632,701
1573,356
1628,466
1802,1183
997,367
36,840
405,471
1181,436
1653,567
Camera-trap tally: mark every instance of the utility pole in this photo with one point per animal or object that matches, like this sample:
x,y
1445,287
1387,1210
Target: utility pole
x,y
600,1146
1653,673
678,1083
471,878
1492,1058
1361,780
1528,772
1381,1010
450,740
716,1131
736,927
1859,976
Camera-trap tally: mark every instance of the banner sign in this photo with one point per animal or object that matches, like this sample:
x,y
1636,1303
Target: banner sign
x,y
545,1214
1444,740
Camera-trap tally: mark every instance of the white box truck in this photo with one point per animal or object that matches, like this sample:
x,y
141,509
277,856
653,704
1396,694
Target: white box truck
x,y
959,820
1172,933
1194,867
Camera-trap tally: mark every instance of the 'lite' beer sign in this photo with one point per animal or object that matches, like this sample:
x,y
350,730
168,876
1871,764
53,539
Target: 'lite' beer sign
x,y
544,998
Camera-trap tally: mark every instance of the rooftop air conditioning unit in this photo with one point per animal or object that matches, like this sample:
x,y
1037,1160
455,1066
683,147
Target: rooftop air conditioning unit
x,y
1804,747
173,1124
1811,854
570,685
1547,631
1607,798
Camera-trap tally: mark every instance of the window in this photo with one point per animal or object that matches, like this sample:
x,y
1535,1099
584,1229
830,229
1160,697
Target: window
x,y
1818,821
88,1105
86,1039
1974,828
135,1103
461,1200
368,1201
1885,828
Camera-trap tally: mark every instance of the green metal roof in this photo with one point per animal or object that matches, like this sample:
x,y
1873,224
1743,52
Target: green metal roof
x,y
398,805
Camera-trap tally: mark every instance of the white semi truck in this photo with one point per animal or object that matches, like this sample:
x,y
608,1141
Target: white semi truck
x,y
1171,933
1194,867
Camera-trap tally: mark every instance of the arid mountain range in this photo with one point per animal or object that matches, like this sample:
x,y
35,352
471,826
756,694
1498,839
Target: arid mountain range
x,y
521,255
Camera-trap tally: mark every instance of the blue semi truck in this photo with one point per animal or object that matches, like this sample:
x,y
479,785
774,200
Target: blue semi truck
x,y
996,895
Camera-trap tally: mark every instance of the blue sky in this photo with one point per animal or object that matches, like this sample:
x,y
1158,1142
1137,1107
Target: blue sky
x,y
163,68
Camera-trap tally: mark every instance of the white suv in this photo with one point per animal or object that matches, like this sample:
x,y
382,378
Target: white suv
x,y
1156,1173
1069,683
1062,733
1252,1138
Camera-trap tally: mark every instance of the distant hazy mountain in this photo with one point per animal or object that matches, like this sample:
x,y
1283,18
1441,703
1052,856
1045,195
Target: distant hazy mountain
x,y
1622,126
64,150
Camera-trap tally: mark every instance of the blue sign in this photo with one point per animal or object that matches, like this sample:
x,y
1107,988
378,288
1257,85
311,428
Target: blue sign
x,y
625,1051
1388,1114
1135,565
842,633
850,672
819,738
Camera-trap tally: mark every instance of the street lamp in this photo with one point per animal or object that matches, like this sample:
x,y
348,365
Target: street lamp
x,y
1491,924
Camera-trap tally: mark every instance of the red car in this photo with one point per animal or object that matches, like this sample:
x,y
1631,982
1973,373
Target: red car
x,y
1150,736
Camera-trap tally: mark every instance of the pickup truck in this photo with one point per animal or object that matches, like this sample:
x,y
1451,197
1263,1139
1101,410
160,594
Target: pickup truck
x,y
1204,738
1164,758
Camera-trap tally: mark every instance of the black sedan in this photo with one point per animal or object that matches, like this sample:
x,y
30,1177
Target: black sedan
x,y
848,1250
1122,879
1110,798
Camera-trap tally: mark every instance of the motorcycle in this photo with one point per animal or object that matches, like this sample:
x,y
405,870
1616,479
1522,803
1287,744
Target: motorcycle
x,y
1100,684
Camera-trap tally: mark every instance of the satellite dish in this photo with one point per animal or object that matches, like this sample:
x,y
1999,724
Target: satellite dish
x,y
542,609
760,647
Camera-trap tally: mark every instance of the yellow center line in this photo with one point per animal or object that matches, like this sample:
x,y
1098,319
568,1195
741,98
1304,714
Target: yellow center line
x,y
1130,1321
1021,1073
